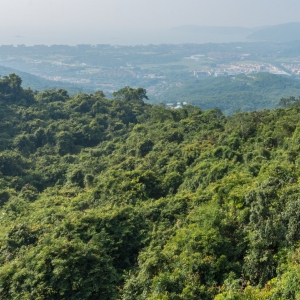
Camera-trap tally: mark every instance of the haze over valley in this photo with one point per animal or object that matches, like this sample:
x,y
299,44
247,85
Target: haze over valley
x,y
194,70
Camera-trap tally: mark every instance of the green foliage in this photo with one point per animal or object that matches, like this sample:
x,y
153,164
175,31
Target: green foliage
x,y
53,95
4,197
231,93
12,92
289,101
118,199
129,94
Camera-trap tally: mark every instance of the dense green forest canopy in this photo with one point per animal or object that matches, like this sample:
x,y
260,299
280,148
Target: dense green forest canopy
x,y
119,199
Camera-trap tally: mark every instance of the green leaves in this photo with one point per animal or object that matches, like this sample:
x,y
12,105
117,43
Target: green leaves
x,y
107,199
12,92
129,94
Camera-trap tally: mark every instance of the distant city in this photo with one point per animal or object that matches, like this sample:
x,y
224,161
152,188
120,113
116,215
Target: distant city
x,y
244,68
160,69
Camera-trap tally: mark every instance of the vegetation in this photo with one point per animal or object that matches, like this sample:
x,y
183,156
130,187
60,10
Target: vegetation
x,y
167,71
118,199
40,84
230,93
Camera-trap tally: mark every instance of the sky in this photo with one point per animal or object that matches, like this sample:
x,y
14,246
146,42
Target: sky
x,y
97,21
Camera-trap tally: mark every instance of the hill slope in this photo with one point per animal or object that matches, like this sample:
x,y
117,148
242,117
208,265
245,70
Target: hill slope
x,y
118,199
218,30
40,84
245,92
278,33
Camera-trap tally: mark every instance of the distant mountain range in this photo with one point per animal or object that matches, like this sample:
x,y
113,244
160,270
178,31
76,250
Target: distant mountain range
x,y
278,33
40,84
215,30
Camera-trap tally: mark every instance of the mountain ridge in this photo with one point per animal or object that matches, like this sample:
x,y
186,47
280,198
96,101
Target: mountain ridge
x,y
286,32
38,83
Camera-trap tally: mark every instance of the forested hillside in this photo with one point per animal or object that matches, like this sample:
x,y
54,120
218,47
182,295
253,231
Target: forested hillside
x,y
118,199
244,92
40,84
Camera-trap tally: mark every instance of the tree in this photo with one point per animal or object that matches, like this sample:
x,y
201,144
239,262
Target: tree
x,y
285,102
129,94
11,90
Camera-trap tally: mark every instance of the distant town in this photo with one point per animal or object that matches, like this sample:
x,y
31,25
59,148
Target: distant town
x,y
243,68
293,68
157,68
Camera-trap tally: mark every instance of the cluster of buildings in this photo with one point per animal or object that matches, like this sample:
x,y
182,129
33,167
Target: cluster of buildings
x,y
195,57
177,105
294,68
202,73
240,68
64,79
152,76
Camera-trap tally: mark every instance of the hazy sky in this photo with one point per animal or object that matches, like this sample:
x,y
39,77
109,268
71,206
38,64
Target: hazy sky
x,y
63,18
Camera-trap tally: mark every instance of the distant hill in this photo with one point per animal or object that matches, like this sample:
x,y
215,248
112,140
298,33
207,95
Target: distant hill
x,y
278,33
40,84
245,92
218,30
